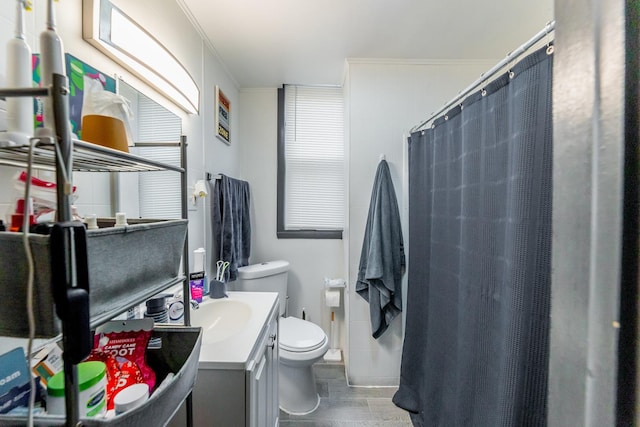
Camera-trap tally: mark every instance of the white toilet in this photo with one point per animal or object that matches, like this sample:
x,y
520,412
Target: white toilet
x,y
301,343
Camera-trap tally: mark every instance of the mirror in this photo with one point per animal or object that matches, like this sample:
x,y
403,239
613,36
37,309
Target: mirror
x,y
151,194
138,194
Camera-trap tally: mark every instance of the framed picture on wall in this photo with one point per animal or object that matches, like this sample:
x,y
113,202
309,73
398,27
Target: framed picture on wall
x,y
223,113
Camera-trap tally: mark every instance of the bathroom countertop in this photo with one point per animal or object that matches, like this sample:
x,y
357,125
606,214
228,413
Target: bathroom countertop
x,y
231,326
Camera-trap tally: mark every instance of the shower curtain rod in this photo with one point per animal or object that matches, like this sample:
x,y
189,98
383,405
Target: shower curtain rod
x,y
484,77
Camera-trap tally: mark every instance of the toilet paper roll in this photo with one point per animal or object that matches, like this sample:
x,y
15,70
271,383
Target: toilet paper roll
x,y
332,298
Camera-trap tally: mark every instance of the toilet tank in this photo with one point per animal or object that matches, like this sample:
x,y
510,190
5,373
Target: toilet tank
x,y
268,276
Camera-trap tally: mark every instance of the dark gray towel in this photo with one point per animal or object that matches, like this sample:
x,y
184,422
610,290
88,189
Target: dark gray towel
x,y
231,223
382,259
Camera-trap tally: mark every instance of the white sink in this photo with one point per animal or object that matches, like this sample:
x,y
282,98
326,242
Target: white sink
x,y
231,326
221,319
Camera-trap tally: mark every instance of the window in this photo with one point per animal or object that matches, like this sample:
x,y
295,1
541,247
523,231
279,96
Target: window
x,y
310,162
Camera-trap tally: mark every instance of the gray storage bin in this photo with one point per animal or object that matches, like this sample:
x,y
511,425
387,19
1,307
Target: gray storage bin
x,y
179,354
126,265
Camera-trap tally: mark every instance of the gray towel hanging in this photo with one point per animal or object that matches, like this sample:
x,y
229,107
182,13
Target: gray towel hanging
x,y
382,259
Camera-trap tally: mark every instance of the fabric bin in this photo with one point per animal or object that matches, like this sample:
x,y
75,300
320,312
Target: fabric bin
x,y
179,355
127,265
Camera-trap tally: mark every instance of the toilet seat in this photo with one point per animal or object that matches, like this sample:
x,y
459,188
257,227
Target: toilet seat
x,y
298,336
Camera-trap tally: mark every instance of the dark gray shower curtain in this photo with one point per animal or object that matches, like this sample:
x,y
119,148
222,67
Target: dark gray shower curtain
x,y
476,342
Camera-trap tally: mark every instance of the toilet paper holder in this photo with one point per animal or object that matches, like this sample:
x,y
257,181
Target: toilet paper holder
x,y
332,297
334,283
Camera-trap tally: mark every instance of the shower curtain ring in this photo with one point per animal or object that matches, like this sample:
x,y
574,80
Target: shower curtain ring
x,y
511,63
549,45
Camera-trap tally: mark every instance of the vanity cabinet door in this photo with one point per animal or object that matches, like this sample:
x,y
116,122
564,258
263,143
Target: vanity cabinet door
x,y
258,393
262,381
273,411
257,389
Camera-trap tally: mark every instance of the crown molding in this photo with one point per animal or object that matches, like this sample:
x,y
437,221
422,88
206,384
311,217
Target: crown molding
x,y
416,61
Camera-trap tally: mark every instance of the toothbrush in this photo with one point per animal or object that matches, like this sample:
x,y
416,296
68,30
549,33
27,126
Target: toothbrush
x,y
19,109
52,62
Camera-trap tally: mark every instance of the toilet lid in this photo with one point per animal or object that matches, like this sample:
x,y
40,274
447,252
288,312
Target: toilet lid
x,y
300,335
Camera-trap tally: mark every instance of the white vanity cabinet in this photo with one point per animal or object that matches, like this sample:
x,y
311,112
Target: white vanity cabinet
x,y
237,382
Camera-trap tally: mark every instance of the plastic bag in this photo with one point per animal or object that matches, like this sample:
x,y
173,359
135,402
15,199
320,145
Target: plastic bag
x,y
122,346
43,197
101,102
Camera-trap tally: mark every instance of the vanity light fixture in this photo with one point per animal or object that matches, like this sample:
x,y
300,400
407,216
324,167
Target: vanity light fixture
x,y
114,33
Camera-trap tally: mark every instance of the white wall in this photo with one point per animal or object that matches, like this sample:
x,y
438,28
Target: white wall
x,y
213,155
171,27
385,99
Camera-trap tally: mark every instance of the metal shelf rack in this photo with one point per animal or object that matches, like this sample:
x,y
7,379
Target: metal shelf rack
x,y
59,153
87,157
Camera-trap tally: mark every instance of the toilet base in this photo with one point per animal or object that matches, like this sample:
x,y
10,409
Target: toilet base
x,y
297,390
302,413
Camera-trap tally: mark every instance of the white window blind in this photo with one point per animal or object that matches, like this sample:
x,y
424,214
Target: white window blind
x,y
159,192
314,158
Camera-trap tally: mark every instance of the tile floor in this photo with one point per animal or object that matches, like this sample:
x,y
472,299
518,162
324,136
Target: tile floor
x,y
344,406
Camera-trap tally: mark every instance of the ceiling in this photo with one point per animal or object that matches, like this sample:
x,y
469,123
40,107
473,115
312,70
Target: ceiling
x,y
265,43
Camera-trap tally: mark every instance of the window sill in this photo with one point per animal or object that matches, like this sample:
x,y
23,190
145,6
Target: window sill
x,y
309,234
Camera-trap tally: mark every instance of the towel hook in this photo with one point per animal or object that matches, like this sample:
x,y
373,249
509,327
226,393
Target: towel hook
x,y
383,157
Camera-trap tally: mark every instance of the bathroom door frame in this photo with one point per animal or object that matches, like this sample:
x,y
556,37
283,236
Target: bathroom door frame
x,y
593,375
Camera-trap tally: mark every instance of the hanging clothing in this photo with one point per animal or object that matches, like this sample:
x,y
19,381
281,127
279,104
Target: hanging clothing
x,y
476,345
230,204
382,258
